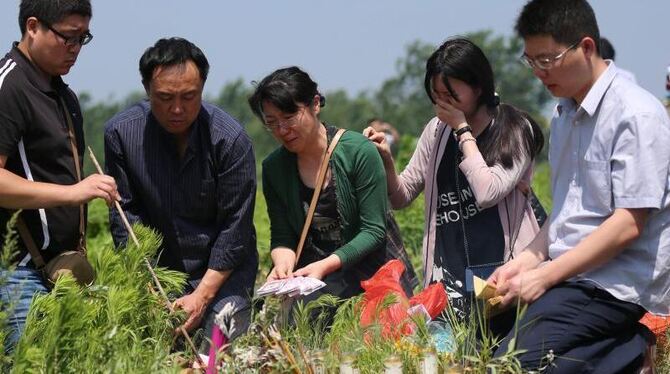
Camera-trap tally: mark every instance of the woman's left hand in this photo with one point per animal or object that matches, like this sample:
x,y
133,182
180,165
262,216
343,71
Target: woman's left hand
x,y
320,269
449,114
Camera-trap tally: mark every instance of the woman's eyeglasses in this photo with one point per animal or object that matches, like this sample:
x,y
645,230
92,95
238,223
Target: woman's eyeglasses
x,y
286,124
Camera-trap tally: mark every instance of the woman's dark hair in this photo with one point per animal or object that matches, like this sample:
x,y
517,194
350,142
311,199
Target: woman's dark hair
x,y
172,52
51,12
285,89
567,21
513,130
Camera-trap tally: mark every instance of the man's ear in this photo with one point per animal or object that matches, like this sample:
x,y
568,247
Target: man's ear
x,y
589,47
32,24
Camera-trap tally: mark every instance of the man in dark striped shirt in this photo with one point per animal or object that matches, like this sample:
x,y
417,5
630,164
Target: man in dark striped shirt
x,y
186,168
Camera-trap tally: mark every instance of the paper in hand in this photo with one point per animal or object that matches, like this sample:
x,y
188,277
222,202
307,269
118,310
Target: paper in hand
x,y
271,287
487,292
291,286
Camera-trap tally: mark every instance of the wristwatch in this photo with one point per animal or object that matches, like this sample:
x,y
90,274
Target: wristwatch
x,y
462,131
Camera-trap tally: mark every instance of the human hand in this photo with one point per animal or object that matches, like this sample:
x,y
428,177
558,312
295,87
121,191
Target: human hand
x,y
280,272
321,268
315,270
194,305
283,260
504,273
94,186
378,138
448,113
523,262
525,287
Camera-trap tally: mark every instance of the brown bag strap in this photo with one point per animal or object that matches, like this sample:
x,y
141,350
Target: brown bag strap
x,y
30,243
320,177
77,168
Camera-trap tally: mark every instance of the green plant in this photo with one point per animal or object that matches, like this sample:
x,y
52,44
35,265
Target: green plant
x,y
312,320
262,224
273,346
542,185
119,324
411,218
475,345
9,249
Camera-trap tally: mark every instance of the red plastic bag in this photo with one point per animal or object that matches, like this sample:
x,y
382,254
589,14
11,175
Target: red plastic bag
x,y
659,325
385,280
394,319
433,298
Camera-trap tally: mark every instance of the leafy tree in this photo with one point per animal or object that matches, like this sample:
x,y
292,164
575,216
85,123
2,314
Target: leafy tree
x,y
340,110
95,116
514,81
351,113
233,99
402,101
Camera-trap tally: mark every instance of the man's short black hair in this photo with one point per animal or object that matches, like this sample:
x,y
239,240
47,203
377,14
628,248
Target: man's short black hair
x,y
566,21
172,52
607,51
52,11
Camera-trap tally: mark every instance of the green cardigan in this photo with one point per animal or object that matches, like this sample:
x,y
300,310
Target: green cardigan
x,y
360,187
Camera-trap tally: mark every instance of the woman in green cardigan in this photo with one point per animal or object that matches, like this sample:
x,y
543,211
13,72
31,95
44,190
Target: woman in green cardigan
x,y
347,238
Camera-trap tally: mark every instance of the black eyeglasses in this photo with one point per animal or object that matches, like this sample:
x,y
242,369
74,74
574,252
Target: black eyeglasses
x,y
69,41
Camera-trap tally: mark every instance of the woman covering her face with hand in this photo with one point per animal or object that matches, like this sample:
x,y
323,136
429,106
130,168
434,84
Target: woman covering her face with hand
x,y
473,161
347,238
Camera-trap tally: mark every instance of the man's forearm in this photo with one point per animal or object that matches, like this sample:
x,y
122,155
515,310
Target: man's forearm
x,y
599,247
539,247
19,193
211,283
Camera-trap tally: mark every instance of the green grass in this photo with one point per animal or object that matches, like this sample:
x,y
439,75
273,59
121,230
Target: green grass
x,y
542,185
346,336
119,325
116,325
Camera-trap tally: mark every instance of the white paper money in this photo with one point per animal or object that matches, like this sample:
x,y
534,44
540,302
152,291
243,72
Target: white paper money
x,y
291,286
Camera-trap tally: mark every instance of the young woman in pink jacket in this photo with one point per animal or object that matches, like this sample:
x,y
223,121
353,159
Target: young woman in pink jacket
x,y
474,163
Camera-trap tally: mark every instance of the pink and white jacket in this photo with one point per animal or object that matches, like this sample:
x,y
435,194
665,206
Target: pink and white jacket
x,y
490,186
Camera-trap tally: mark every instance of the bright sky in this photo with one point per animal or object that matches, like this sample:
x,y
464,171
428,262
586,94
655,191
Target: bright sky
x,y
349,44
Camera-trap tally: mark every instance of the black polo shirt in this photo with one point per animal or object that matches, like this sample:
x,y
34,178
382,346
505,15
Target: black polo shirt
x,y
34,137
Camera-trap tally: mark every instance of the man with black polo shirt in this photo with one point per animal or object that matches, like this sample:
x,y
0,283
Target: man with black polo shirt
x,y
40,161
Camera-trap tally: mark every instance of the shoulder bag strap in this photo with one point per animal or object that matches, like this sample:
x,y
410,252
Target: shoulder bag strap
x,y
29,242
317,191
77,168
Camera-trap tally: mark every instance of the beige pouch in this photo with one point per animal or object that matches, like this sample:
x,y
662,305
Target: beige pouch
x,y
74,263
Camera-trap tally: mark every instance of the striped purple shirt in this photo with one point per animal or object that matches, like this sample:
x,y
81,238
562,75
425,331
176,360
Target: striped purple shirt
x,y
202,203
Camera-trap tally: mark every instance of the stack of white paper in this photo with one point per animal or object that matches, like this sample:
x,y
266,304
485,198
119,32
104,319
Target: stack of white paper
x,y
290,286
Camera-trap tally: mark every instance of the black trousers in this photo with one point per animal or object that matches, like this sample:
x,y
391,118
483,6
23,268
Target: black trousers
x,y
577,327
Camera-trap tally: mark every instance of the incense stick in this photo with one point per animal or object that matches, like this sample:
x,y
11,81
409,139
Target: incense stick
x,y
148,265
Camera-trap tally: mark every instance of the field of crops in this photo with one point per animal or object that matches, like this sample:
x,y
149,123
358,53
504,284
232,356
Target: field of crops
x,y
121,325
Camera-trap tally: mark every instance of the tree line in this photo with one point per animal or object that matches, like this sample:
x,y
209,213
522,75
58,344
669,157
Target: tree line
x,y
400,100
